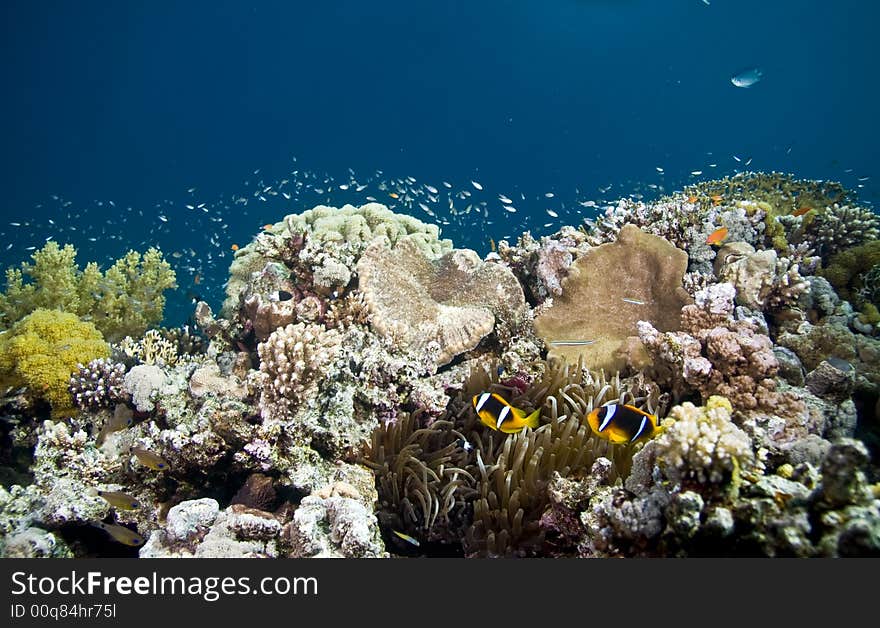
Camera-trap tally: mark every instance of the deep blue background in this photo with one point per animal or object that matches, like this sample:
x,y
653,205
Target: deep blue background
x,y
138,102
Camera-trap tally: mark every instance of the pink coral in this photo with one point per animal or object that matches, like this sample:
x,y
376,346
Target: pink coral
x,y
717,355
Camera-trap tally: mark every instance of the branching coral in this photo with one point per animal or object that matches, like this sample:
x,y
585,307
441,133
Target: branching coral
x,y
840,227
125,300
42,351
293,362
703,445
762,279
783,192
153,348
451,302
600,307
98,384
717,354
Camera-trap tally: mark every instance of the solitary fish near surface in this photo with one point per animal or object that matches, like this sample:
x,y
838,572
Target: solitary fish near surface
x,y
747,78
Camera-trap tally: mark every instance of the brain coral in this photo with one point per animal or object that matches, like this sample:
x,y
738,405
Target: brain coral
x,y
453,301
608,290
43,349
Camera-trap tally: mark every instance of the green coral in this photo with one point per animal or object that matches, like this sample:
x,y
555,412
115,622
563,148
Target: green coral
x,y
360,225
845,269
784,193
43,349
123,301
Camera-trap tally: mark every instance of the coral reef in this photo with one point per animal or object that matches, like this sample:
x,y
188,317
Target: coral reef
x,y
327,411
322,246
762,279
717,354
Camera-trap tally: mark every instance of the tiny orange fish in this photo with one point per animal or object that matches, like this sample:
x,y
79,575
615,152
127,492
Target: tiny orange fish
x,y
716,199
267,227
234,247
692,199
197,279
394,195
801,211
717,236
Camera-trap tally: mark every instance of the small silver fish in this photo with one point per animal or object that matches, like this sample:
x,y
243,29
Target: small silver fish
x,y
747,78
571,343
633,301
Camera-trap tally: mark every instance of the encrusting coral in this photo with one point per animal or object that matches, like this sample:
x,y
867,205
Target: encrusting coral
x,y
607,291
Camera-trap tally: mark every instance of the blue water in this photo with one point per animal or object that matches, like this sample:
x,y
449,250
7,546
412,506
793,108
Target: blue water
x,y
137,103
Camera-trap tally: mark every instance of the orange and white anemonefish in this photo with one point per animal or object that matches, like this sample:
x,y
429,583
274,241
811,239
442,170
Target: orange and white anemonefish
x,y
622,423
495,412
717,236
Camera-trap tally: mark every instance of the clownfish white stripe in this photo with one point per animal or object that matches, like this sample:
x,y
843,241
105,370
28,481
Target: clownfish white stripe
x,y
608,416
502,415
641,429
483,399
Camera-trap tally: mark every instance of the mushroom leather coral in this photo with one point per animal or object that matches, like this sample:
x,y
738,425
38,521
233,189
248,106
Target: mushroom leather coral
x,y
639,267
454,300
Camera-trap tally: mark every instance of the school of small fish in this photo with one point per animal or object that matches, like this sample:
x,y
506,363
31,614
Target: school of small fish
x,y
199,234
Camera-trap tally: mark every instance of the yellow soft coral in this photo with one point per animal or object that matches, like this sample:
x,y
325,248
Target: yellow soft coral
x,y
42,350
